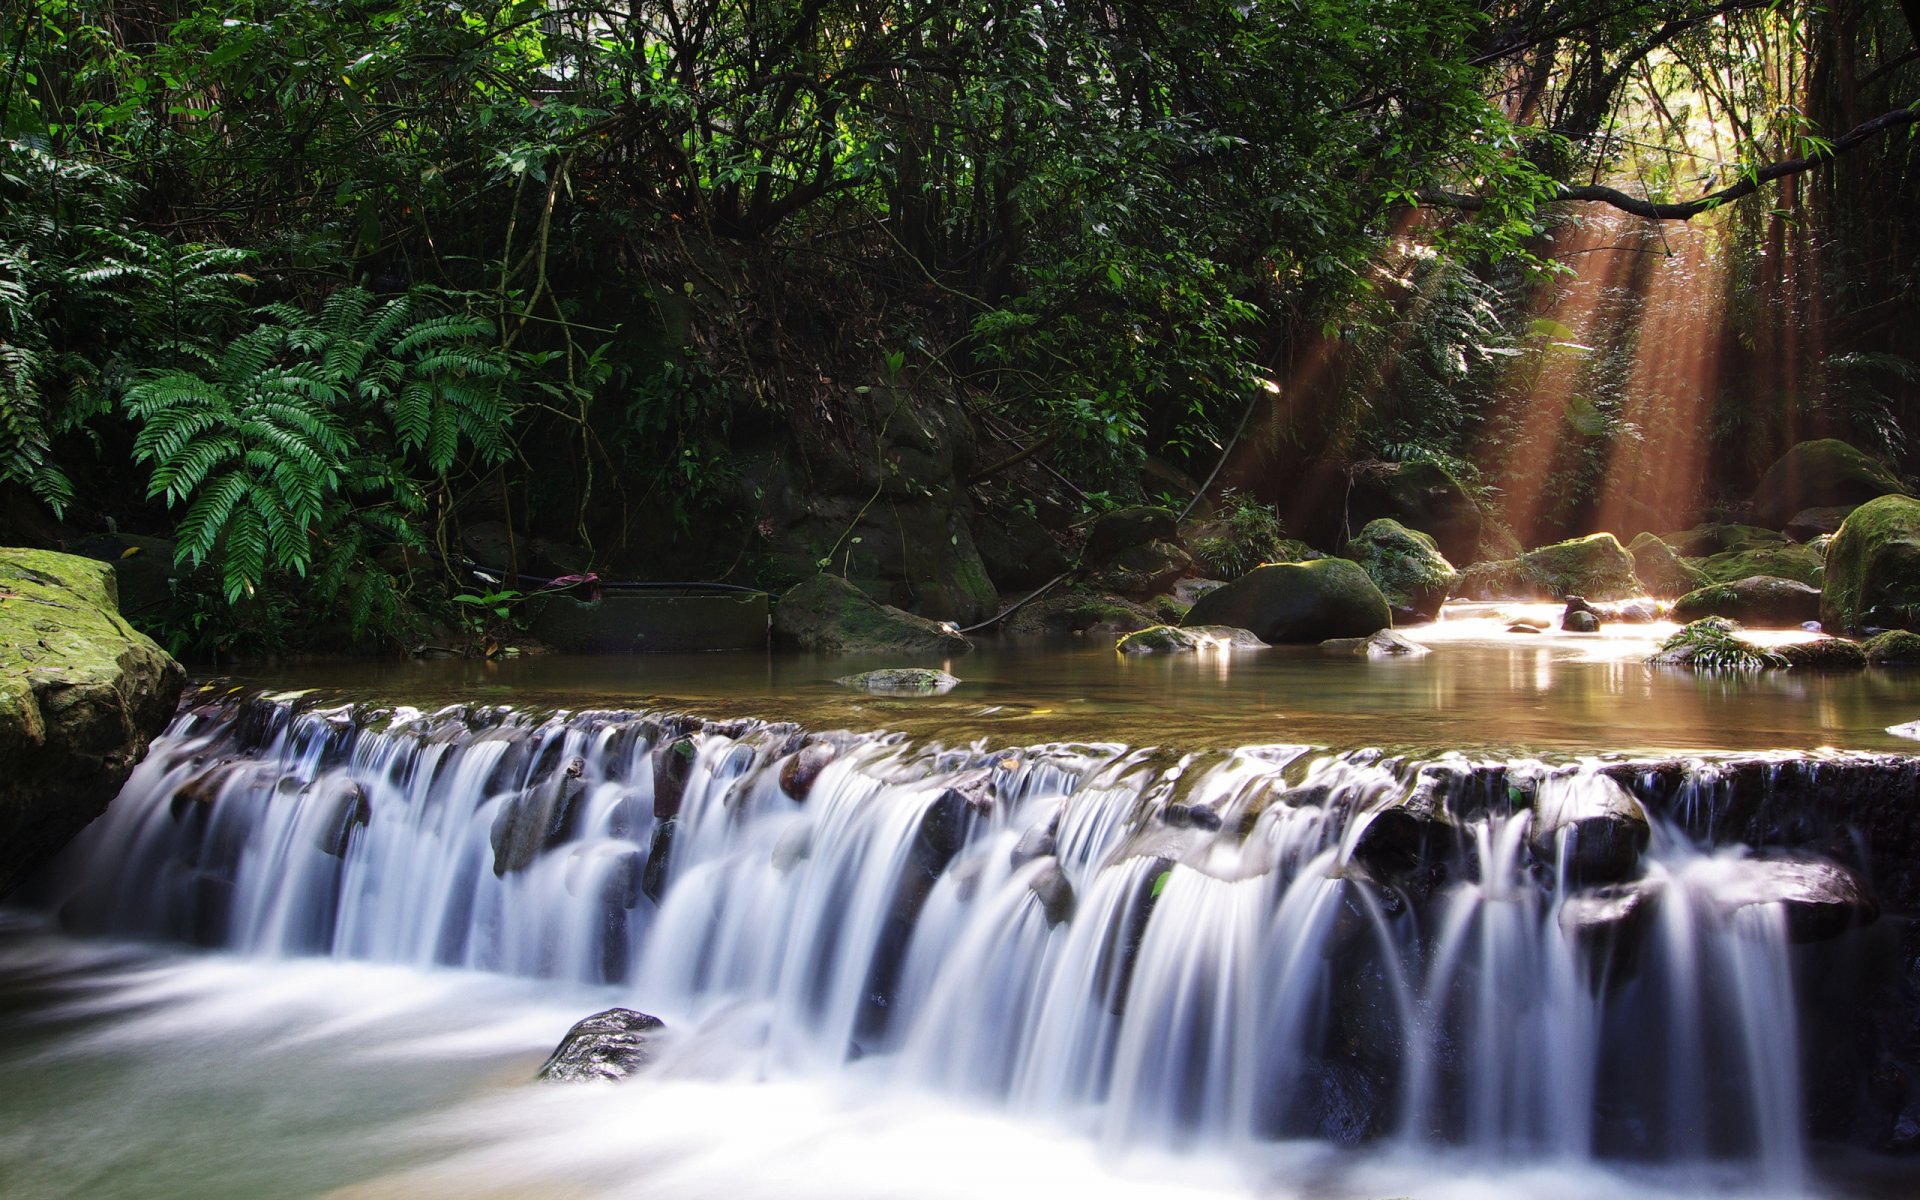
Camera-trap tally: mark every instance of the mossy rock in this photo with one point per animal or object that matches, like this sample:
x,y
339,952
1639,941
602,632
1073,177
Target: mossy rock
x,y
1873,569
1419,495
1297,602
1144,570
1703,541
1714,644
1407,566
1169,639
1758,600
1812,524
1800,563
1384,644
81,695
1818,474
1894,648
828,614
1660,569
1823,654
1125,528
1080,612
1597,567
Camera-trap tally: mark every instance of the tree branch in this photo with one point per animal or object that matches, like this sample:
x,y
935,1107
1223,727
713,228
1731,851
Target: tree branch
x,y
1686,210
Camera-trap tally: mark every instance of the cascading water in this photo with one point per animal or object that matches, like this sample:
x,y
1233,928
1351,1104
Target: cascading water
x,y
1277,944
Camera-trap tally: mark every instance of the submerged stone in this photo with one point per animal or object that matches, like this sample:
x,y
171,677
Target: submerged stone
x,y
912,681
1191,639
608,1045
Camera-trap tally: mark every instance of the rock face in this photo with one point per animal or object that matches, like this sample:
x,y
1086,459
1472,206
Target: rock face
x,y
826,613
1297,602
1811,523
1596,566
607,1045
1760,600
81,695
1801,563
1660,569
1172,639
1873,568
1818,475
1407,566
1018,551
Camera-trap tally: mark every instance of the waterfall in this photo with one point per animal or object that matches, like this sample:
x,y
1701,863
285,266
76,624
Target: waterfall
x,y
1279,942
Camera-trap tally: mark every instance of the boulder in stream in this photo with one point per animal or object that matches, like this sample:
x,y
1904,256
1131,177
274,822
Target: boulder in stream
x,y
1384,644
1297,602
1894,648
1596,566
1820,899
1873,569
1660,569
1191,639
608,1045
1803,564
901,681
1764,600
1817,474
1407,566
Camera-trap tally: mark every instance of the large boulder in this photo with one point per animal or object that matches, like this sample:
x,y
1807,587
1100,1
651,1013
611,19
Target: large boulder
x,y
1297,602
1407,566
1801,563
1660,569
1762,600
1597,567
1894,648
81,695
1873,568
1817,475
1419,495
826,613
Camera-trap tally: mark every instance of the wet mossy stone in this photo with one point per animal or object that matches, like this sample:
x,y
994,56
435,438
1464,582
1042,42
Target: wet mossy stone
x,y
911,681
1144,570
1171,639
1823,654
1818,474
828,614
81,695
1894,648
1079,611
1873,569
1596,566
1297,602
1660,569
1801,563
1384,644
1407,566
1763,600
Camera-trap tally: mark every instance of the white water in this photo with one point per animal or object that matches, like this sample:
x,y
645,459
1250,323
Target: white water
x,y
868,995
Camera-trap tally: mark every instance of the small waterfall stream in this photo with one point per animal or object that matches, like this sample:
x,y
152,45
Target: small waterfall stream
x,y
1276,943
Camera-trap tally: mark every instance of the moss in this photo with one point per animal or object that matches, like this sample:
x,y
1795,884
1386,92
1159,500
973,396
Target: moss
x,y
1704,540
1894,648
1406,565
919,681
1801,564
1714,644
1873,568
1168,608
1758,600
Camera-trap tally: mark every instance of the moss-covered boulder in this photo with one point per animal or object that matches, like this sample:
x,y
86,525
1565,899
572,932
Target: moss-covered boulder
x,y
1172,639
1801,563
1419,495
1407,566
1823,654
828,614
1597,567
1762,600
1660,569
1704,540
1894,648
81,695
1080,611
1873,568
1714,644
1817,474
1297,602
1384,644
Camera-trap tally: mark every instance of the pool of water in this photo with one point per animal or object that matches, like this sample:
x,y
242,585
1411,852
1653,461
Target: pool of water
x,y
1482,690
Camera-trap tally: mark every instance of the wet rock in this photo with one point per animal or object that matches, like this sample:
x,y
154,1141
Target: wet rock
x,y
1297,602
1803,564
1894,648
830,615
1393,843
1628,612
1590,826
1191,816
1080,612
1189,591
672,767
1660,569
1873,569
339,808
1036,842
653,881
1143,571
1407,566
535,819
802,768
1610,925
1524,627
794,847
81,695
910,681
614,879
1823,654
1821,899
1818,474
608,1045
1189,639
1580,620
1385,644
1763,600
1052,889
1703,541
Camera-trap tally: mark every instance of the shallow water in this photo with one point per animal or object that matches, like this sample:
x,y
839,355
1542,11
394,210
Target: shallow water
x,y
1482,691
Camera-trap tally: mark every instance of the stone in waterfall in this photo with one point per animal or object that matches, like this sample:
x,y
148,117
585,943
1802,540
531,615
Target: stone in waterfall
x,y
1821,899
1297,602
1818,474
1763,600
81,695
1054,893
830,615
802,768
1590,826
607,1045
1873,569
536,818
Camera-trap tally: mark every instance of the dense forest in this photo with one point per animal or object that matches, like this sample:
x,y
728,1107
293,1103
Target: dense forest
x,y
313,302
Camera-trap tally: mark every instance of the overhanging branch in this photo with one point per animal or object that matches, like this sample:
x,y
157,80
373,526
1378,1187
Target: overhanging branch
x,y
1686,210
